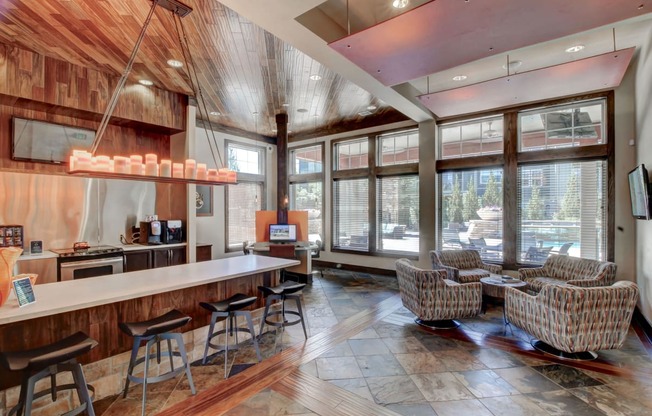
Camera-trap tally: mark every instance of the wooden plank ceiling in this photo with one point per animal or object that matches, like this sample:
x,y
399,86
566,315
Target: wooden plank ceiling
x,y
242,69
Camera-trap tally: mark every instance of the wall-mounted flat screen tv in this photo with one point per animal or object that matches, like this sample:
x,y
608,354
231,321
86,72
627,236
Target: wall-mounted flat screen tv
x,y
282,233
39,141
639,192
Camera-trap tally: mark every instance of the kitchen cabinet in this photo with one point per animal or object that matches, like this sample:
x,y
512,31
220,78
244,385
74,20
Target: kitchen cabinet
x,y
138,260
204,252
163,257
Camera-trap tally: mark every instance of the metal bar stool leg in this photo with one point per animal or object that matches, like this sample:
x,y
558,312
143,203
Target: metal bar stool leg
x,y
228,327
130,370
82,390
297,298
252,331
184,358
170,354
148,347
268,302
208,338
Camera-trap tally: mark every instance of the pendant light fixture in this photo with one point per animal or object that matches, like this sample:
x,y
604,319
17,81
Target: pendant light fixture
x,y
85,163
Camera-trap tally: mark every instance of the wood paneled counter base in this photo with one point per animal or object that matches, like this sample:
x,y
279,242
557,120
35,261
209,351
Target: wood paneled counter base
x,y
96,305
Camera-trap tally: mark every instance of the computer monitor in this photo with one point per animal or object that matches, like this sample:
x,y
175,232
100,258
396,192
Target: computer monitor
x,y
282,233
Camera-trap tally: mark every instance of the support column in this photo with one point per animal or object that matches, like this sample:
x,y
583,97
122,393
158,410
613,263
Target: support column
x,y
282,184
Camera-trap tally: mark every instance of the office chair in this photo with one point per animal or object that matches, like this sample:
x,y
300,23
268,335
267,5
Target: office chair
x,y
314,254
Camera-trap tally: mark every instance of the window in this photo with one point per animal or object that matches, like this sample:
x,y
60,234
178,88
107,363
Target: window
x,y
306,160
306,187
556,165
578,124
387,222
471,215
398,213
352,154
244,199
564,212
351,214
471,138
399,148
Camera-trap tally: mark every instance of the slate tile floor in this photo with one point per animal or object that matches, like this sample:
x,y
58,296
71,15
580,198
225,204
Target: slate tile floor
x,y
409,371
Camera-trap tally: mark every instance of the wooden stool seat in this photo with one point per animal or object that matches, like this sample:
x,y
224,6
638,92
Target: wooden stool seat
x,y
159,325
47,361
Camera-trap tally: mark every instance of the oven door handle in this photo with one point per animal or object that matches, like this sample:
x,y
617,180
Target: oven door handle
x,y
91,263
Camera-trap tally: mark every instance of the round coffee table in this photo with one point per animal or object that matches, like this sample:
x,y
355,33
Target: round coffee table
x,y
493,290
494,286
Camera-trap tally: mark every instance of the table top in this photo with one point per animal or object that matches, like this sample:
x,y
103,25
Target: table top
x,y
60,297
497,281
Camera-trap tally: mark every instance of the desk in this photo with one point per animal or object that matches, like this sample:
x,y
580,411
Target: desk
x,y
302,251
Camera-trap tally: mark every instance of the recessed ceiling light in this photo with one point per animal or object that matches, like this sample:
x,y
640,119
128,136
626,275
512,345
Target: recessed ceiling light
x,y
255,113
146,82
641,6
315,77
175,63
285,105
214,113
575,48
459,77
302,110
513,65
371,107
400,4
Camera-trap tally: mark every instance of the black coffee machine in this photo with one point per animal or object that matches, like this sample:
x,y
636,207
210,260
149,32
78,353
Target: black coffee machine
x,y
171,231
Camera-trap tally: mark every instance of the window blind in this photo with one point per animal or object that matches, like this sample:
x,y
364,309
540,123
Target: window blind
x,y
308,197
243,200
351,214
562,210
398,213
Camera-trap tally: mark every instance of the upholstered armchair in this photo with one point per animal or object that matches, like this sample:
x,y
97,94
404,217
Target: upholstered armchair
x,y
435,300
567,270
572,322
463,266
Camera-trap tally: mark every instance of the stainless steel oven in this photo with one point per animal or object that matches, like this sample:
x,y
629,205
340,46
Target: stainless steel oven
x,y
89,262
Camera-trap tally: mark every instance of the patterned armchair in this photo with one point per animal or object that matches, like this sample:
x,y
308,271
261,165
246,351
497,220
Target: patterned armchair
x,y
435,300
570,321
463,266
566,270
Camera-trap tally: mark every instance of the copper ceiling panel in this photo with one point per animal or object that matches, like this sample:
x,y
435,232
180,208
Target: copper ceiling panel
x,y
591,74
446,33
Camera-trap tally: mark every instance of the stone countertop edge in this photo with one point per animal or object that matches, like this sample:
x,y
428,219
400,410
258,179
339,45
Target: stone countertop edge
x,y
61,297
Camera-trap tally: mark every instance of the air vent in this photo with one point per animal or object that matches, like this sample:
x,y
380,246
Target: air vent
x,y
365,113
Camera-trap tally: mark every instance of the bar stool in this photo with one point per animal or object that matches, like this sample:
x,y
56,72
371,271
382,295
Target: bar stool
x,y
230,309
47,361
153,331
284,291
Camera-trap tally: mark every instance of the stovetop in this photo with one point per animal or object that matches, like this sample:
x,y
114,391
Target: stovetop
x,y
90,251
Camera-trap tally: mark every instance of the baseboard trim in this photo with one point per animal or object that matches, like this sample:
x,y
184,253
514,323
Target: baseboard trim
x,y
354,268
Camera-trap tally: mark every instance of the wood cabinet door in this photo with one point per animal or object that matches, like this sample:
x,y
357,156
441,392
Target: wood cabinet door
x,y
160,257
137,260
177,256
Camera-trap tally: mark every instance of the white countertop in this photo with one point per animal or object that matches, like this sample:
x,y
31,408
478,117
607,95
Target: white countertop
x,y
54,298
45,255
134,247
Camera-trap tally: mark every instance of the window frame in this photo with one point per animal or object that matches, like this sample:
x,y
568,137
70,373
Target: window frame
x,y
512,158
372,172
304,178
244,178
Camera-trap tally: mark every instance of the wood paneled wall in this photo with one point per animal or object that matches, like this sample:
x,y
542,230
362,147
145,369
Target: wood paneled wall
x,y
30,76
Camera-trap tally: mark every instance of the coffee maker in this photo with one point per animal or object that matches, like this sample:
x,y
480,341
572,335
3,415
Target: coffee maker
x,y
171,232
150,232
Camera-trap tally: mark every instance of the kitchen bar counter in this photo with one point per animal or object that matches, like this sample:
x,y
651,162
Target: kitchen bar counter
x,y
137,246
97,305
55,298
